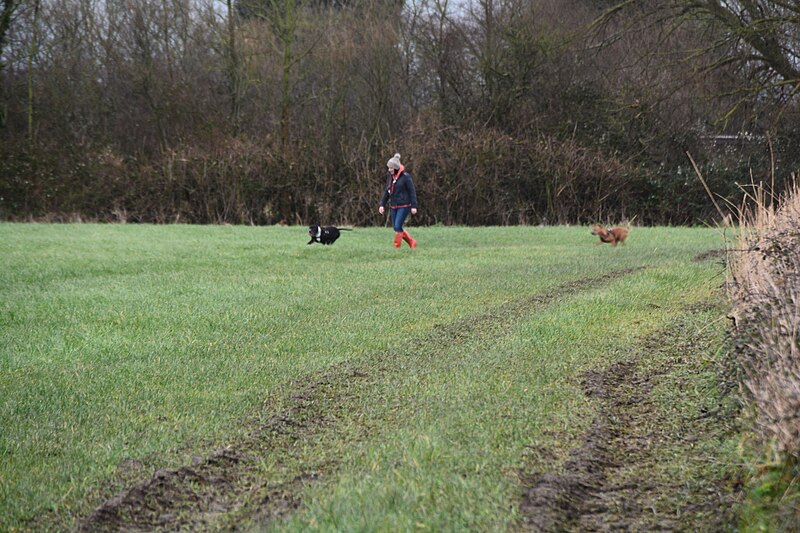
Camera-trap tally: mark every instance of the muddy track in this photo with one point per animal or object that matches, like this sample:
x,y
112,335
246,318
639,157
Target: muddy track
x,y
197,495
610,482
226,490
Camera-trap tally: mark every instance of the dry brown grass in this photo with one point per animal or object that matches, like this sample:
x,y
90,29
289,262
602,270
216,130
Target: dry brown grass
x,y
764,286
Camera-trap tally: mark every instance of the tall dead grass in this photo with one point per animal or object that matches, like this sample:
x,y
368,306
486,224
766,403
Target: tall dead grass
x,y
764,286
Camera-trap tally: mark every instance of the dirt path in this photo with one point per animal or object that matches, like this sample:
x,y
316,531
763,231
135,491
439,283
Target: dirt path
x,y
196,496
230,490
627,474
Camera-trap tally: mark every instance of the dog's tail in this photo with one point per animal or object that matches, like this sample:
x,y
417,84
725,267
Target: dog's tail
x,y
345,229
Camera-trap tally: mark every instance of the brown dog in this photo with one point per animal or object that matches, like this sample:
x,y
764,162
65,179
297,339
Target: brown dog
x,y
612,235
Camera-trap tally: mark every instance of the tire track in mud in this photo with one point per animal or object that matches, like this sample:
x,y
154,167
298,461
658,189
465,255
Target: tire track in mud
x,y
611,481
226,490
199,495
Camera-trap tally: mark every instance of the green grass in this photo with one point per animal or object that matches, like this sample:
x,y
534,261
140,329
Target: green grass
x,y
155,343
772,497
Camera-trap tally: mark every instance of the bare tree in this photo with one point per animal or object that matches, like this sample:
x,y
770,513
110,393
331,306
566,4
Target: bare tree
x,y
7,9
283,19
234,69
758,39
32,53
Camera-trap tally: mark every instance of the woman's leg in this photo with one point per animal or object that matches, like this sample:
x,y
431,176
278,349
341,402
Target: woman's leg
x,y
399,215
398,218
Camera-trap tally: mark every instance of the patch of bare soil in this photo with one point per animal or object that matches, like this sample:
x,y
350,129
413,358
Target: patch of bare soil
x,y
709,255
640,466
228,481
228,490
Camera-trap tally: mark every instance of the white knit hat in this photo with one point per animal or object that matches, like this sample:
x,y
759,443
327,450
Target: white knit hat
x,y
394,162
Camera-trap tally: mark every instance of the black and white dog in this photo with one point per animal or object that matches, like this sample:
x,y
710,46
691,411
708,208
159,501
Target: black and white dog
x,y
323,234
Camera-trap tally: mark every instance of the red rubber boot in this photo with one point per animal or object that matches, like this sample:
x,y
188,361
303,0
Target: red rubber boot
x,y
411,242
398,239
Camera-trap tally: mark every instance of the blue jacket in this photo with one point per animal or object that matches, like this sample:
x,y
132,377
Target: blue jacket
x,y
401,192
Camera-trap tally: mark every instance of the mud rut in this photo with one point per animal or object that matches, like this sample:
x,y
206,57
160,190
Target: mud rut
x,y
610,481
226,490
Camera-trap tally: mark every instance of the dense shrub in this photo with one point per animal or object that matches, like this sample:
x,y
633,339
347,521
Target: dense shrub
x,y
765,289
474,177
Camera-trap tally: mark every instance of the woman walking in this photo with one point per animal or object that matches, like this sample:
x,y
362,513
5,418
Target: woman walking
x,y
402,198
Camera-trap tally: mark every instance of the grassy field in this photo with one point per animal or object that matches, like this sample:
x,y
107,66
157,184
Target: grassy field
x,y
125,349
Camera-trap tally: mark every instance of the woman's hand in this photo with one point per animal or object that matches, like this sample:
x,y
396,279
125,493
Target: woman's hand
x,y
413,210
380,210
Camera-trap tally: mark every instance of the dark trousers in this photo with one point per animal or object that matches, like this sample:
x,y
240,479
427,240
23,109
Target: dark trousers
x,y
399,215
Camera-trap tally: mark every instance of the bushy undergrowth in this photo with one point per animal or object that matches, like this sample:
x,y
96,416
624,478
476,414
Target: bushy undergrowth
x,y
764,286
468,176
